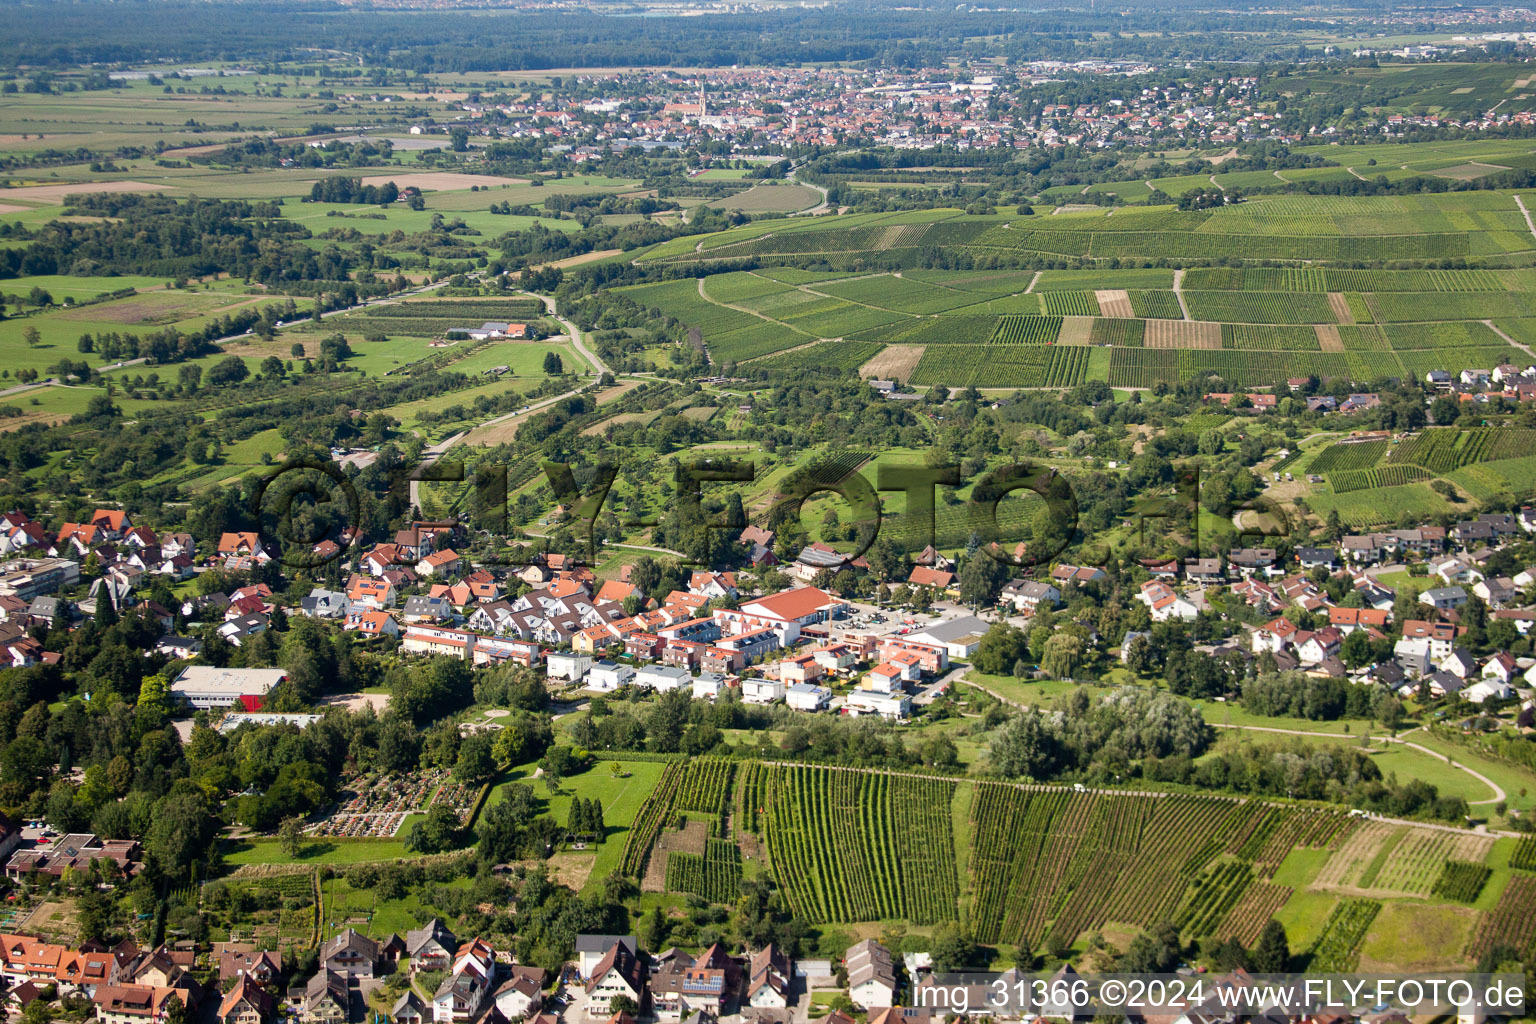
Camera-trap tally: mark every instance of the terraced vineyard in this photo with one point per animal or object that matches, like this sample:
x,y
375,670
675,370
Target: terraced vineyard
x,y
1337,949
1269,324
1443,449
1512,922
862,846
716,875
1047,861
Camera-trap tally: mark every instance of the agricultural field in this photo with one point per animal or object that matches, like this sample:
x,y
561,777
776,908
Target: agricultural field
x,y
861,846
1051,862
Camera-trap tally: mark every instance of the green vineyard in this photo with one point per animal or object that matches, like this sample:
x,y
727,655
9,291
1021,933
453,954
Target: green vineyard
x,y
1337,949
714,875
862,846
1461,881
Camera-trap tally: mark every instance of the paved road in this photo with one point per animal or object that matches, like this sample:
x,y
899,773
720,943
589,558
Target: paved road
x,y
812,211
598,366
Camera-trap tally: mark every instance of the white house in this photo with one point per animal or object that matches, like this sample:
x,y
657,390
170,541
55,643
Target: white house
x,y
886,705
607,676
807,697
762,691
662,678
871,975
708,686
1488,689
561,665
1443,598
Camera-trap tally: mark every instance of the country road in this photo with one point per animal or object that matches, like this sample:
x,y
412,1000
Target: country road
x,y
598,366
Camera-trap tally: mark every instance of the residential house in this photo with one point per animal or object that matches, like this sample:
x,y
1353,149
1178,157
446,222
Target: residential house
x,y
871,975
591,950
607,676
468,987
430,947
521,995
1443,598
570,667
350,955
708,686
451,643
1028,595
325,998
807,697
246,1003
618,973
768,979
261,966
439,563
758,690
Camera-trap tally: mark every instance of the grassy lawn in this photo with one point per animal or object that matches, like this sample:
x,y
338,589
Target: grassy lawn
x,y
345,907
1228,713
621,799
1303,916
328,851
1518,784
1022,691
1411,936
1392,758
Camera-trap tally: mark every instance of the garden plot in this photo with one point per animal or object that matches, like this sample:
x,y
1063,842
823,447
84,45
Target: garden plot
x,y
1183,334
376,806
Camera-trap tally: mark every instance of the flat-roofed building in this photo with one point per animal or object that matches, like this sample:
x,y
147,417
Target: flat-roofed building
x,y
204,686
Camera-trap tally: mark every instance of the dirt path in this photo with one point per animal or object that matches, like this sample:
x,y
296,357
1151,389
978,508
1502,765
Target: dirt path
x,y
1032,282
1519,345
1217,183
1178,291
598,366
750,312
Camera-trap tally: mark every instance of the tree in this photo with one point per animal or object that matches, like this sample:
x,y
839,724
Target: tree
x,y
1272,954
622,1004
654,932
1140,655
553,364
290,836
1026,748
1000,647
953,950
439,831
981,579
32,336
475,766
229,370
1061,655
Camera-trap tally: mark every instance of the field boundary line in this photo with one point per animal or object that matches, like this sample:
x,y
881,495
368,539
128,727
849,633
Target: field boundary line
x,y
752,312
